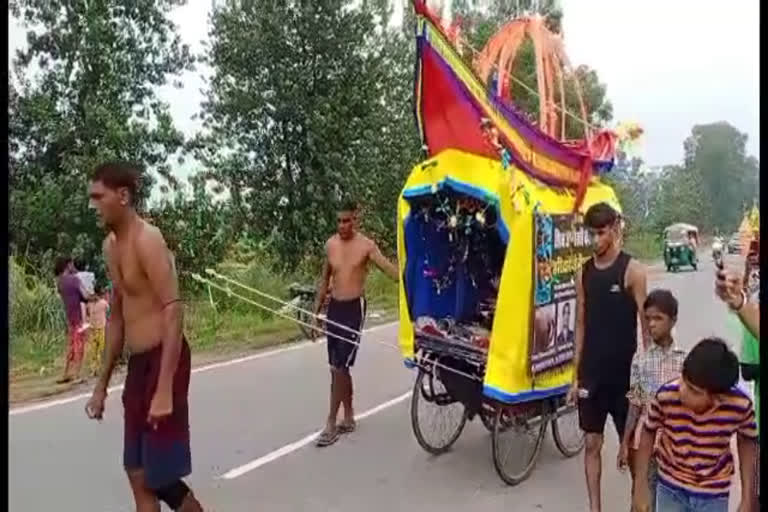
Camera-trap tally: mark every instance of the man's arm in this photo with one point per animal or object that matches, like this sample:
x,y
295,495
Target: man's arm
x,y
155,259
728,286
635,401
747,449
749,315
383,263
638,285
322,285
579,337
746,446
114,339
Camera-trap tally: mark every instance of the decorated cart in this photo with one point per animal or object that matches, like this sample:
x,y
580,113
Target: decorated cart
x,y
489,242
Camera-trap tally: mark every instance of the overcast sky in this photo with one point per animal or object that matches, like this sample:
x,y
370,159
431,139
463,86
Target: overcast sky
x,y
667,65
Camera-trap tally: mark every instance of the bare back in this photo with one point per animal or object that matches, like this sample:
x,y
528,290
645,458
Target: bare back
x,y
348,261
142,308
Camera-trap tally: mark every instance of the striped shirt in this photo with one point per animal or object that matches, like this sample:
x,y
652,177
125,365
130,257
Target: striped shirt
x,y
693,452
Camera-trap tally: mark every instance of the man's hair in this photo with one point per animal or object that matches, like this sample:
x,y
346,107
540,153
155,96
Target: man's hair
x,y
600,215
664,301
117,175
349,206
712,366
60,265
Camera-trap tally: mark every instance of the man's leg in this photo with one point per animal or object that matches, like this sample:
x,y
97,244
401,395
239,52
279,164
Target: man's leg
x,y
70,356
349,413
145,499
592,416
671,500
593,468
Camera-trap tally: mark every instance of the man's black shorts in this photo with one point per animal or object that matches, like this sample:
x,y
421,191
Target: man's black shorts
x,y
343,343
602,401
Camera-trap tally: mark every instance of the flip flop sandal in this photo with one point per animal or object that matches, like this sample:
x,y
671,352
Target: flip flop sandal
x,y
327,438
346,429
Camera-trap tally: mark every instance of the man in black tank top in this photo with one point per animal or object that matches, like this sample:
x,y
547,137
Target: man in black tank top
x,y
610,290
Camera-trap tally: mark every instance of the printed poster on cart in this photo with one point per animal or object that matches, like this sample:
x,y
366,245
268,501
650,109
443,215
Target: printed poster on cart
x,y
561,246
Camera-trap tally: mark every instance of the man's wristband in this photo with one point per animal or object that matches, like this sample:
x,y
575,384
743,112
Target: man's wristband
x,y
743,303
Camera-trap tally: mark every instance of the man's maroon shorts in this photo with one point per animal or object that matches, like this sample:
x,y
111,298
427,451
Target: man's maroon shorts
x,y
162,453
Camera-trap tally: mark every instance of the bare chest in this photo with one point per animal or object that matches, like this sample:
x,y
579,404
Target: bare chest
x,y
347,259
127,271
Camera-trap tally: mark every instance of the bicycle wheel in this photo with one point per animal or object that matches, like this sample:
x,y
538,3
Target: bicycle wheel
x,y
566,432
305,319
516,442
436,418
487,417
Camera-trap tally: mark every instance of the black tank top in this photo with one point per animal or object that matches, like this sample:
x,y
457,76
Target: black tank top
x,y
610,326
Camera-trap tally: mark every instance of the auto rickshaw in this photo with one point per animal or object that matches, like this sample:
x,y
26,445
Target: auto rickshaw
x,y
680,245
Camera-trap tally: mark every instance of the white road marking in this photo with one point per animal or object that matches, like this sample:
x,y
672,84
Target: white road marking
x,y
289,448
214,366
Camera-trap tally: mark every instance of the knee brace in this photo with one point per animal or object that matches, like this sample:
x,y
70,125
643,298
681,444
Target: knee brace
x,y
173,494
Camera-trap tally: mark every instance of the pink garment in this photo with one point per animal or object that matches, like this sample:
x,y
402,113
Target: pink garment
x,y
97,313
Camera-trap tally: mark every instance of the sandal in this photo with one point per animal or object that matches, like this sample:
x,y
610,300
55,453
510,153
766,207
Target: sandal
x,y
327,438
347,428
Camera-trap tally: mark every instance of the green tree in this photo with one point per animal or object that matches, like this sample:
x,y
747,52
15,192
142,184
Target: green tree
x,y
197,228
84,91
729,178
306,107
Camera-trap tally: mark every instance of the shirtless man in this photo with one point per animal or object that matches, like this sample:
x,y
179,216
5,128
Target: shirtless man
x,y
610,291
146,312
346,267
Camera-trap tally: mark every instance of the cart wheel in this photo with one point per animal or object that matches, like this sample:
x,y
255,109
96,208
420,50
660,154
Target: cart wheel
x,y
437,420
304,318
516,443
487,417
568,436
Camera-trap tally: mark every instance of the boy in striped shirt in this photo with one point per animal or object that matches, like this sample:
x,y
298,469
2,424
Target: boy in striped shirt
x,y
695,417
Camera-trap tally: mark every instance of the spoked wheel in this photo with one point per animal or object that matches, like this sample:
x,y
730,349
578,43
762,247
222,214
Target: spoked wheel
x,y
566,432
517,440
436,417
488,417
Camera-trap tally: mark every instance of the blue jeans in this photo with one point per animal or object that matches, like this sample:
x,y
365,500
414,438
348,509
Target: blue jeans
x,y
674,500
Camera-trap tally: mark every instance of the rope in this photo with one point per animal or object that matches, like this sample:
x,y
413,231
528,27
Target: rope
x,y
288,305
230,293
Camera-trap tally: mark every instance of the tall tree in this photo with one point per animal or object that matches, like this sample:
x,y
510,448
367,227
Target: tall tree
x,y
717,152
305,108
84,91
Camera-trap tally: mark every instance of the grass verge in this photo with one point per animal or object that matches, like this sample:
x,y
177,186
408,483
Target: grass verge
x,y
217,326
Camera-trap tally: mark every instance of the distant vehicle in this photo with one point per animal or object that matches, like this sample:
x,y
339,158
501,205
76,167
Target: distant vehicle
x,y
680,243
734,244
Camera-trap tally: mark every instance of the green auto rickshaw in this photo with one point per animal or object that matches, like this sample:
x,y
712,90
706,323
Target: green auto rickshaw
x,y
681,242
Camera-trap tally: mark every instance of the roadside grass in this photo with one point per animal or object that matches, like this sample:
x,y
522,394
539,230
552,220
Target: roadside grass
x,y
646,247
216,324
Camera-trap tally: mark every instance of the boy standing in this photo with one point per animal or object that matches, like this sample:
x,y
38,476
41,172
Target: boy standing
x,y
661,363
695,418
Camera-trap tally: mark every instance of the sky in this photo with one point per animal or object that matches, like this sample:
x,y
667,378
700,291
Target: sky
x,y
667,65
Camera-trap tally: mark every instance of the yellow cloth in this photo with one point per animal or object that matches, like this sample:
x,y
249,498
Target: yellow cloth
x,y
508,377
96,342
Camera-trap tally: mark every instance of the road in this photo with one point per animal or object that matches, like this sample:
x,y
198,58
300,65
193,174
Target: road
x,y
263,408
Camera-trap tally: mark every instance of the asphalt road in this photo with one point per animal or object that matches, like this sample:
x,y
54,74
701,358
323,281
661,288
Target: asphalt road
x,y
251,419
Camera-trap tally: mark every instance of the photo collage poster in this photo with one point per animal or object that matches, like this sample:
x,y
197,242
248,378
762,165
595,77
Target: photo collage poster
x,y
561,246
